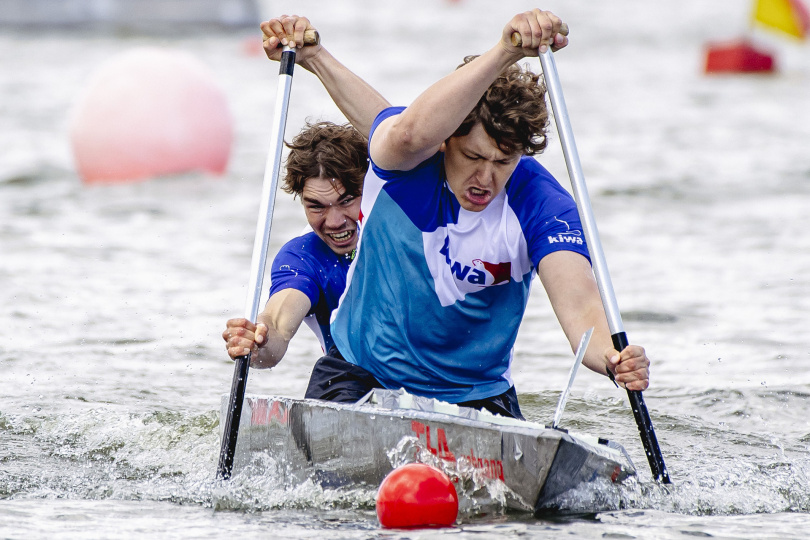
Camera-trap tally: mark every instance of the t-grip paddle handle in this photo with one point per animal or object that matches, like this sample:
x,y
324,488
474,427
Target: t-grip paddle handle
x,y
311,37
517,41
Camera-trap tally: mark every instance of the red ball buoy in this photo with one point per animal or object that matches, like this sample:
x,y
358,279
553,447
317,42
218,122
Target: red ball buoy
x,y
150,112
417,495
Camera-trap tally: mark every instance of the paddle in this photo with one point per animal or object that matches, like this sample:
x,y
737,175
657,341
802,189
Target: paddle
x,y
583,346
267,202
645,427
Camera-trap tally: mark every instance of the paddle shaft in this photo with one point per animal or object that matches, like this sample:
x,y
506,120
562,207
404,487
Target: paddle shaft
x,y
583,346
566,134
267,203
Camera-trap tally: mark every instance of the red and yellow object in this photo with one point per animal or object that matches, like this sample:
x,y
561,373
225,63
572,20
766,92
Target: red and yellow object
x,y
787,16
742,56
737,57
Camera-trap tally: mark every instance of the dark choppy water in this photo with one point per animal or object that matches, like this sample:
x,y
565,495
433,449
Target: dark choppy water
x,y
115,296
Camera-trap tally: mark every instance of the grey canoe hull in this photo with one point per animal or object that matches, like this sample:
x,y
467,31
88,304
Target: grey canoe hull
x,y
340,444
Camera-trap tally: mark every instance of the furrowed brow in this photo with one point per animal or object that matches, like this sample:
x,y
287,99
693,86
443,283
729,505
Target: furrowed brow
x,y
346,195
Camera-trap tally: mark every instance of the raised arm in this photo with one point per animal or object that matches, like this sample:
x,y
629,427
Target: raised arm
x,y
267,340
356,99
405,140
574,295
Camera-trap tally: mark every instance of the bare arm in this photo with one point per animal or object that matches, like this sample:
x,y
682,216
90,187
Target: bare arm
x,y
356,99
267,340
574,295
403,141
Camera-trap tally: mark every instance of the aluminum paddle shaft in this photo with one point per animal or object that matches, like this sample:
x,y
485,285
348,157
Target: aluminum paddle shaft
x,y
566,134
270,186
583,346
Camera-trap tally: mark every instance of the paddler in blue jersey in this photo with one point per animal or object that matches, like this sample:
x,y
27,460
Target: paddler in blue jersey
x,y
325,168
456,218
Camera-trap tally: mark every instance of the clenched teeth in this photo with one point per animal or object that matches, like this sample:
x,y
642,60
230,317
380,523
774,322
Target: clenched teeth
x,y
341,236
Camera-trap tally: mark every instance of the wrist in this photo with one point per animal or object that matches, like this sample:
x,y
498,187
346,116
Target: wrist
x,y
510,53
315,62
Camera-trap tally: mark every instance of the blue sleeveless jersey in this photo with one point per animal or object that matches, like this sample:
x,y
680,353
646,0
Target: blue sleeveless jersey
x,y
436,293
307,264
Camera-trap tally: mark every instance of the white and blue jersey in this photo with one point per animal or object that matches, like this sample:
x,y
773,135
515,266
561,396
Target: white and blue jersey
x,y
436,293
307,264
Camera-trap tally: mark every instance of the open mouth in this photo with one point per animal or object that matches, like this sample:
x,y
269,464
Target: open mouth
x,y
341,237
478,196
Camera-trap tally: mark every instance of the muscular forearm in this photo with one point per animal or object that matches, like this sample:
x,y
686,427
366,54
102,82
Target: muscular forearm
x,y
576,322
440,109
433,117
574,296
600,342
355,98
273,350
268,339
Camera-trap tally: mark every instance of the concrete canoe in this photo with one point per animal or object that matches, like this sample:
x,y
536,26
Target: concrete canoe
x,y
359,444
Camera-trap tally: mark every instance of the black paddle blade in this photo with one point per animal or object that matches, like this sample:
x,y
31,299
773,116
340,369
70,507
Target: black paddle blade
x,y
644,423
231,431
648,438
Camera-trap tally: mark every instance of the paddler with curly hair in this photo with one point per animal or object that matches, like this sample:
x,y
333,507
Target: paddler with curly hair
x,y
457,216
325,168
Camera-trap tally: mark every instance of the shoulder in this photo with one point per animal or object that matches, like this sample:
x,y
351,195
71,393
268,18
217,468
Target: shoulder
x,y
307,242
399,141
307,264
383,115
432,162
534,188
306,249
530,172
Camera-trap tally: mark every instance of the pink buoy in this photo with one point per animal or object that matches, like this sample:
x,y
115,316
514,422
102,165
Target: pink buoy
x,y
150,112
253,46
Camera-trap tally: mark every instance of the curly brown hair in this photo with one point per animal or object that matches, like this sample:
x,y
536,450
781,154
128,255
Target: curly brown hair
x,y
512,111
327,150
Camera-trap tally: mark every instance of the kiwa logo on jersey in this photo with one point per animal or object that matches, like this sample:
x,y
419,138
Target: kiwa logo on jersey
x,y
570,237
477,273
